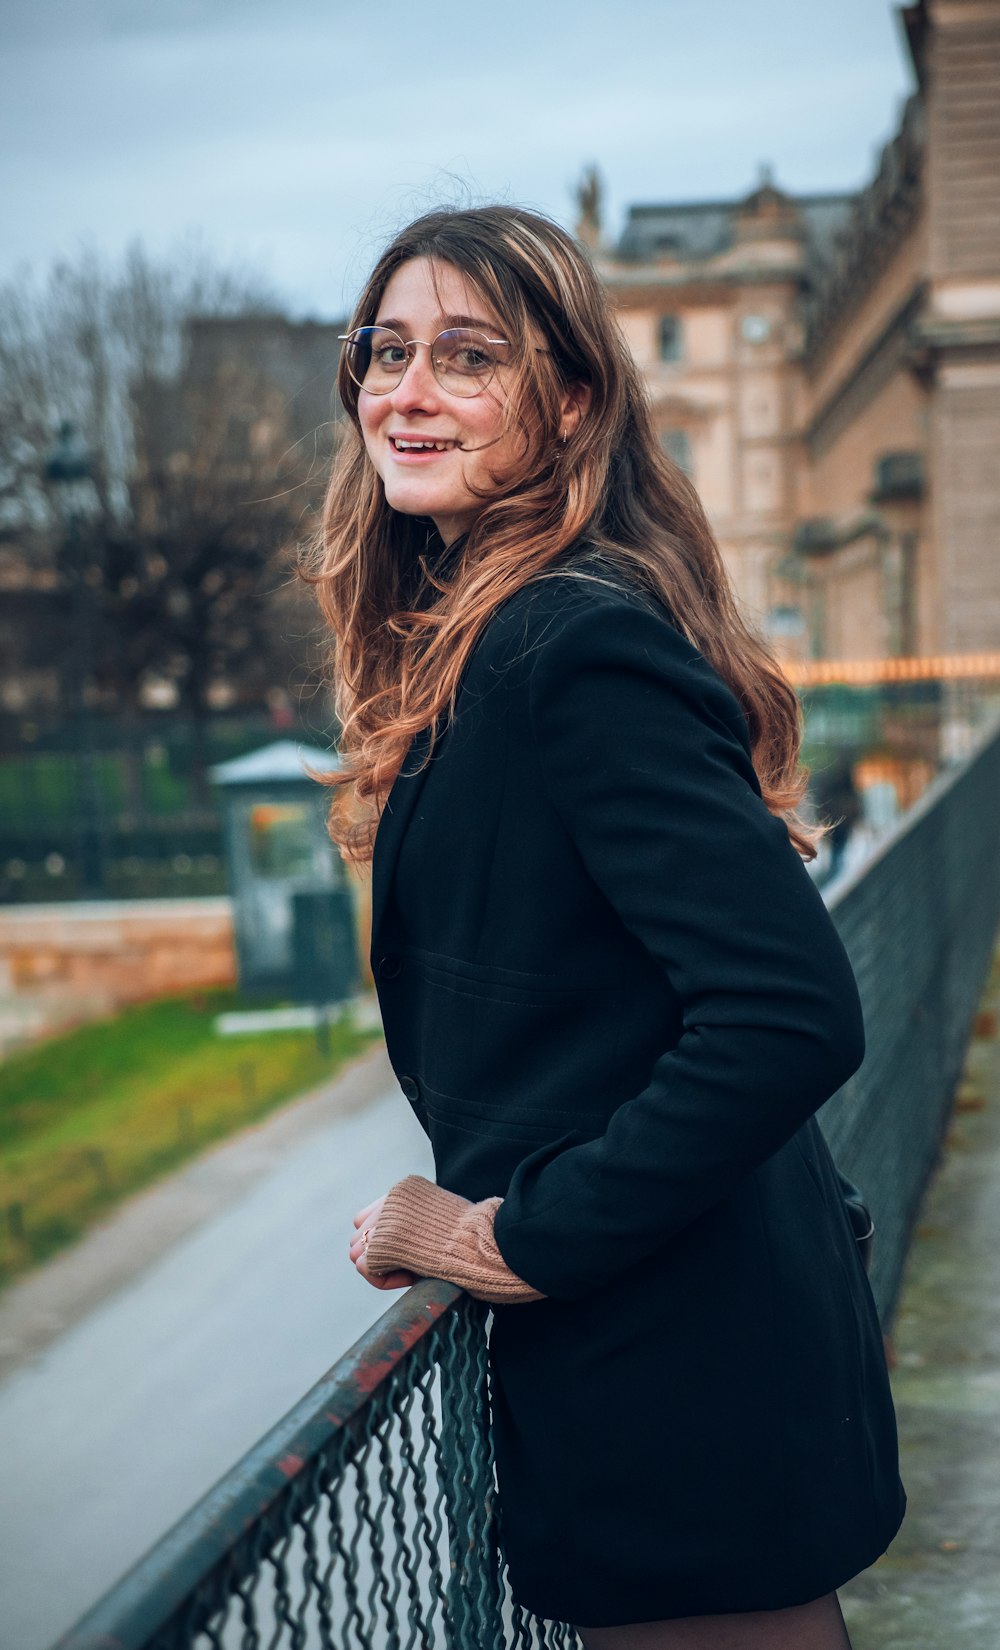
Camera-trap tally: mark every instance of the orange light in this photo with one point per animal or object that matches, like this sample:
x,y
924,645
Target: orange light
x,y
935,667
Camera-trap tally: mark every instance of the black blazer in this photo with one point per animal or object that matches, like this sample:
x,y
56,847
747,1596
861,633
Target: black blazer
x,y
614,997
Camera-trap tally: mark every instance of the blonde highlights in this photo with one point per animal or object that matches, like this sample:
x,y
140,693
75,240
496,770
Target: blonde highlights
x,y
403,620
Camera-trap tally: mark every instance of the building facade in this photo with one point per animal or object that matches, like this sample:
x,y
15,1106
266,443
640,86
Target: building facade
x,y
827,368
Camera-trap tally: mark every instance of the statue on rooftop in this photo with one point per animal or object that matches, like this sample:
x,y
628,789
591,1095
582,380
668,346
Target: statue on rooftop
x,y
589,200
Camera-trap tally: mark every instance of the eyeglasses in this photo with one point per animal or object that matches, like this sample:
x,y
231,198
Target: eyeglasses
x,y
463,361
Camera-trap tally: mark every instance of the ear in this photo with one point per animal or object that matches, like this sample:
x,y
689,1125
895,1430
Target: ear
x,y
575,403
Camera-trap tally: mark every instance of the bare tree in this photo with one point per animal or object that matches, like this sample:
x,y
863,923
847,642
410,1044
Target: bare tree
x,y
185,383
74,344
201,588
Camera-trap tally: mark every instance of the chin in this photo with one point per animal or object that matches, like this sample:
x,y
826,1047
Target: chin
x,y
411,502
407,502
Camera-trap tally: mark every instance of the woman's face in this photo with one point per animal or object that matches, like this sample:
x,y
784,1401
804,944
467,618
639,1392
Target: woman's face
x,y
472,452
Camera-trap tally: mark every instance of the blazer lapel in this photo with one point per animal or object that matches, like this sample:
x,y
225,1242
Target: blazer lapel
x,y
396,814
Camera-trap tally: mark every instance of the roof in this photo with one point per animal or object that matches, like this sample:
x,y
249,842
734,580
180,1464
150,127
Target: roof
x,y
697,230
281,762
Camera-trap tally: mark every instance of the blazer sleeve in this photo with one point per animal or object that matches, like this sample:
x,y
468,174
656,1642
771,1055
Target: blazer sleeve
x,y
645,754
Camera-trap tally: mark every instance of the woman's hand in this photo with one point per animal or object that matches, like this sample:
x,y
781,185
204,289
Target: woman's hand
x,y
364,1221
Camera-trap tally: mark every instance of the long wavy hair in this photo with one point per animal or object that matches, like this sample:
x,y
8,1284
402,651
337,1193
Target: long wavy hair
x,y
403,618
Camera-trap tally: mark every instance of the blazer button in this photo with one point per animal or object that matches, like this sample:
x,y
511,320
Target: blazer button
x,y
411,1088
390,966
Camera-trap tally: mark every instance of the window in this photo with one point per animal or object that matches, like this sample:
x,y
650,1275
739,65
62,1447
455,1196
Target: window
x,y
281,839
670,338
785,620
676,445
756,329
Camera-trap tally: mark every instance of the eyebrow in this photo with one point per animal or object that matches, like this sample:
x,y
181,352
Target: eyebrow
x,y
449,321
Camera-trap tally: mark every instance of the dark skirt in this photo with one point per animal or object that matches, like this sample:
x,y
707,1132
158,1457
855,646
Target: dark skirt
x,y
711,1433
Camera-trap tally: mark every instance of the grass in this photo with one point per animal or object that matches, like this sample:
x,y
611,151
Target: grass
x,y
90,1117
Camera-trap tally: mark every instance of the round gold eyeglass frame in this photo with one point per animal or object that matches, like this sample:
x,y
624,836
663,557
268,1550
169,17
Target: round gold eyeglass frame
x,y
461,382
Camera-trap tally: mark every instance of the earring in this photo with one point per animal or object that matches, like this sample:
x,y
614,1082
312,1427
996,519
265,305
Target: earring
x,y
564,438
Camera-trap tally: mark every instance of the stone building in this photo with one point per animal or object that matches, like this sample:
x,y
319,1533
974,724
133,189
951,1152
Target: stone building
x,y
827,367
267,383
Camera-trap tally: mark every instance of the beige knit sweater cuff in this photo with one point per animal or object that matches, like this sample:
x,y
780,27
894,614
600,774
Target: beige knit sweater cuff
x,y
437,1234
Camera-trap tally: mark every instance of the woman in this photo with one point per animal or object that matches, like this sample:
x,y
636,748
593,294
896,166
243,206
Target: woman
x,y
610,991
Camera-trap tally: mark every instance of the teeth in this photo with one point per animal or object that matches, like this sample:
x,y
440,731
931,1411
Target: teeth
x,y
420,446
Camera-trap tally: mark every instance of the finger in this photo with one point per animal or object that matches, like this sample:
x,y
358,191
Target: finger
x,y
363,1214
359,1260
398,1278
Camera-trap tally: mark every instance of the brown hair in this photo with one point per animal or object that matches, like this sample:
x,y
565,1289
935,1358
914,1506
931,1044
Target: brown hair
x,y
402,632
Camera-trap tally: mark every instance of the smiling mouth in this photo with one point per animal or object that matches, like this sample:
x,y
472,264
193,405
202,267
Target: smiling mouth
x,y
400,444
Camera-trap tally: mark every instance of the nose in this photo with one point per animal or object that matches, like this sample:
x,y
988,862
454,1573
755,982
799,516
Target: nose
x,y
418,389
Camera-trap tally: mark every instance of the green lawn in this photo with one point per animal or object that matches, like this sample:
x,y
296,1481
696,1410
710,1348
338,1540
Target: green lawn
x,y
88,1118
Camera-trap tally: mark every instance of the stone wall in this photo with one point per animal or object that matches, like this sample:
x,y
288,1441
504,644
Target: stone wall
x,y
964,323
61,964
964,140
967,476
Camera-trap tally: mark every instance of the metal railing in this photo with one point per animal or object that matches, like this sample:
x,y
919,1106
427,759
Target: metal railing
x,y
919,920
141,791
368,1518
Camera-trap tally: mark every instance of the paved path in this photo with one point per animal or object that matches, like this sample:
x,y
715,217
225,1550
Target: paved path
x,y
938,1587
211,1305
43,1305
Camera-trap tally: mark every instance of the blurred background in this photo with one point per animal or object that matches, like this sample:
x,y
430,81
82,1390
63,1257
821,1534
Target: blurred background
x,y
794,208
793,231
193,194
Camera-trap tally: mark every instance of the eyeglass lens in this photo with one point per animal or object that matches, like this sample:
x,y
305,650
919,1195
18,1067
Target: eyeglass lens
x,y
463,360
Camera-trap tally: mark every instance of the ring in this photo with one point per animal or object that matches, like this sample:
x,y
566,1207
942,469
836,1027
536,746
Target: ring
x,y
364,1237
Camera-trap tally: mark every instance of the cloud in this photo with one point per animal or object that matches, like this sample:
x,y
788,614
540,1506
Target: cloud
x,y
303,134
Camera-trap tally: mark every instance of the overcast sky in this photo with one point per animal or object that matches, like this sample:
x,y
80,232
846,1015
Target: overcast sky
x,y
296,134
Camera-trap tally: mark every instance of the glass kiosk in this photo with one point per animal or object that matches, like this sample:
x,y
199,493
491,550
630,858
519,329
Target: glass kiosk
x,y
293,912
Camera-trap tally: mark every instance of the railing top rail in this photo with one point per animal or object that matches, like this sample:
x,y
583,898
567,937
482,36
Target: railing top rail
x,y
148,1596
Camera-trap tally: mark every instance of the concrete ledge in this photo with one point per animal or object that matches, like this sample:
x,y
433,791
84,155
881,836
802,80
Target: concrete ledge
x,y
68,911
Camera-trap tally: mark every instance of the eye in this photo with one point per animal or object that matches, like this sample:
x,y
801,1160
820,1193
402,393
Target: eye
x,y
466,354
473,357
389,355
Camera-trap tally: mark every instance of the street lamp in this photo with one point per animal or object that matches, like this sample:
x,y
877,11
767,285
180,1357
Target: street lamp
x,y
69,468
69,465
